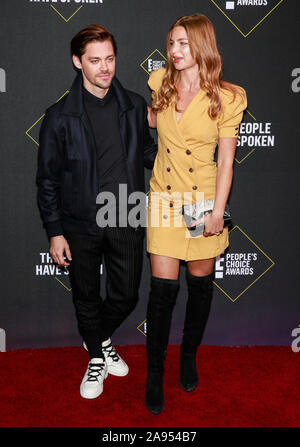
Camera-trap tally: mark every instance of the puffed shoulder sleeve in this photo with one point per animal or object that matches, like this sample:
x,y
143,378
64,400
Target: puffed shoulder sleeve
x,y
232,114
155,80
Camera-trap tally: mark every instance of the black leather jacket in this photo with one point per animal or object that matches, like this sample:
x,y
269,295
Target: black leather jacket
x,y
67,170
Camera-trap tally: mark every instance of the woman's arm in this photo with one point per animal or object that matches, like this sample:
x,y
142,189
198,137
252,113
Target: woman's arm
x,y
214,221
151,118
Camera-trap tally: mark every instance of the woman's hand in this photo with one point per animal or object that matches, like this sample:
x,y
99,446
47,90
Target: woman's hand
x,y
213,224
151,118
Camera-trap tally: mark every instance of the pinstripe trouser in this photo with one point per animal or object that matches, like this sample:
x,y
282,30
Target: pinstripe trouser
x,y
122,252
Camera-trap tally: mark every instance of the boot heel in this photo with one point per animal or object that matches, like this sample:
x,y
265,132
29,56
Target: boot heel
x,y
154,399
188,379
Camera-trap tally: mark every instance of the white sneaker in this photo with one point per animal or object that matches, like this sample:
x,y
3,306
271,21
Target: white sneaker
x,y
115,364
92,382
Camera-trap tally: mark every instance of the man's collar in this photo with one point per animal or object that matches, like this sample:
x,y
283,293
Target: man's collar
x,y
74,100
92,99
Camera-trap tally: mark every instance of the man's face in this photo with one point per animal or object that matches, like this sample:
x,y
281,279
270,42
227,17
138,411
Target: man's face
x,y
98,65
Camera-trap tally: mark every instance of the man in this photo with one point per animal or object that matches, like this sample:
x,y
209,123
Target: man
x,y
93,140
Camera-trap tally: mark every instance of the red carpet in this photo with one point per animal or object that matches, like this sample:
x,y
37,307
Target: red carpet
x,y
239,387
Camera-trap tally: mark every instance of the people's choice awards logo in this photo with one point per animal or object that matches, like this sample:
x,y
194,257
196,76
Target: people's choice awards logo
x,y
2,80
296,80
242,264
246,15
153,62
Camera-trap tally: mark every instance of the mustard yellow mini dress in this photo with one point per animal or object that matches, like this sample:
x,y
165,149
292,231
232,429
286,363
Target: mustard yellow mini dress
x,y
185,164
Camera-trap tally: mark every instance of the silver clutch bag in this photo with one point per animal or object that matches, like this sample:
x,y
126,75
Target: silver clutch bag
x,y
198,210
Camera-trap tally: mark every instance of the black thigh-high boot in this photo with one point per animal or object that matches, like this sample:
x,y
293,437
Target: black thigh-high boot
x,y
200,291
162,299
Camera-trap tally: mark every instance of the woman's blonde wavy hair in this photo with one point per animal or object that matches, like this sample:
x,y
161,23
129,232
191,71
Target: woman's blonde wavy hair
x,y
203,47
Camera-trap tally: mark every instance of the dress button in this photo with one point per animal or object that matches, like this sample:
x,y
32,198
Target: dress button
x,y
168,169
168,187
168,150
191,170
171,204
188,152
165,216
194,187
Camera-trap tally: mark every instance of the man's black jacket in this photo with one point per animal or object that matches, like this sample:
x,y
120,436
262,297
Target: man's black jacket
x,y
67,169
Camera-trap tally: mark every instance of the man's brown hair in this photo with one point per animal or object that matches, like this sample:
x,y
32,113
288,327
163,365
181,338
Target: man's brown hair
x,y
89,34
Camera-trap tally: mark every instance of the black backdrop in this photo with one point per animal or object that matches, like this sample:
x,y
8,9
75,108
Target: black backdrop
x,y
256,298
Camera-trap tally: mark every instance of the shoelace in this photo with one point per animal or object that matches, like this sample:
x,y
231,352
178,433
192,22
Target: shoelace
x,y
94,371
111,352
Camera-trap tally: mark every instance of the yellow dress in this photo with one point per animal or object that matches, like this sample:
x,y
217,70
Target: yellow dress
x,y
185,163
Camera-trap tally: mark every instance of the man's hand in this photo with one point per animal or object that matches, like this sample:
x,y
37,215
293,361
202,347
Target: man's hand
x,y
58,247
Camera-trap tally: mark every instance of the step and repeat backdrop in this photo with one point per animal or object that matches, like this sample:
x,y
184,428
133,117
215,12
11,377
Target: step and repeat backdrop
x,y
256,287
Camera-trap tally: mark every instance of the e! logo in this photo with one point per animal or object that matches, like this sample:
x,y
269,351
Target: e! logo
x,y
296,82
2,81
294,345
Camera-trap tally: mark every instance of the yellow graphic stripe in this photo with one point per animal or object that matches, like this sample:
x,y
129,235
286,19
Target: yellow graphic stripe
x,y
28,130
138,328
251,115
236,226
249,153
246,35
220,9
66,20
263,18
265,271
243,159
68,288
41,117
234,299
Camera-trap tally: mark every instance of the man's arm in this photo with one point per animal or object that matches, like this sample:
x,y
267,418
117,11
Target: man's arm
x,y
48,178
50,162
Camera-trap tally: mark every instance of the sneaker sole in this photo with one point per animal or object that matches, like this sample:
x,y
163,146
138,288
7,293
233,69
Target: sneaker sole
x,y
86,396
117,373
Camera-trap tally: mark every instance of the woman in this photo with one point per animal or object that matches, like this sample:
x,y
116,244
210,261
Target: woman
x,y
193,110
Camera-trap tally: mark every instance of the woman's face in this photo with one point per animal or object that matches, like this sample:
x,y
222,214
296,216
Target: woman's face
x,y
179,49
